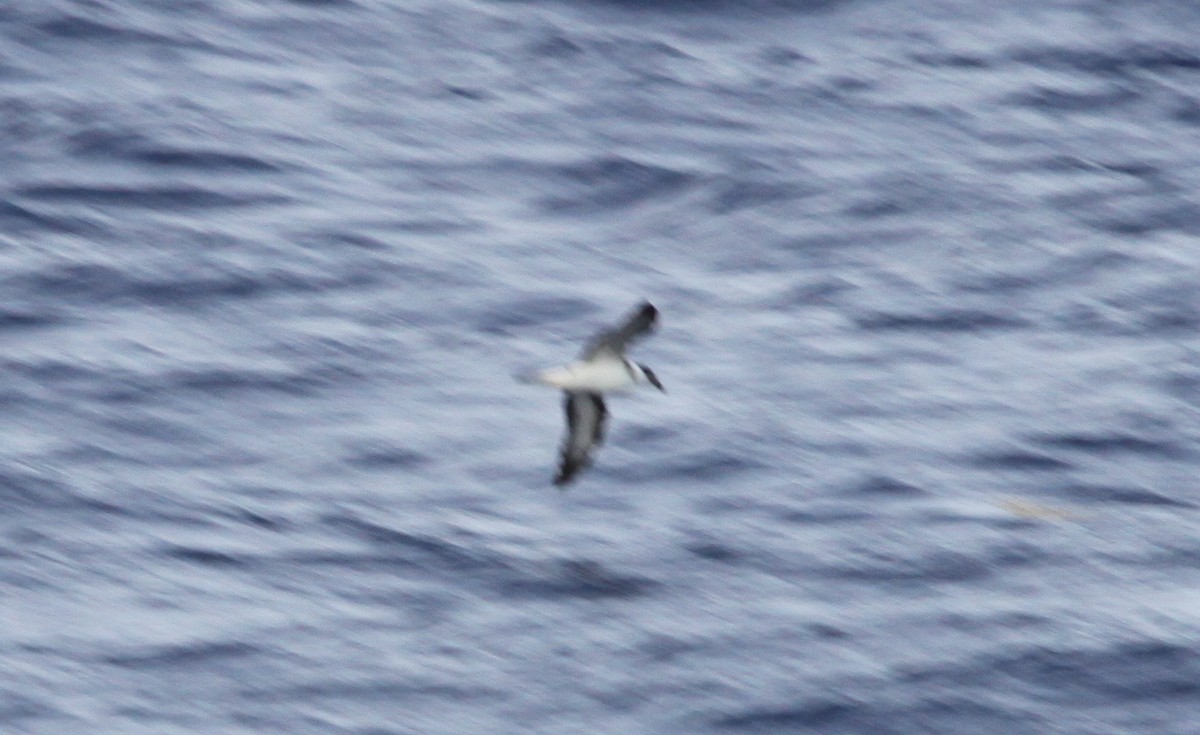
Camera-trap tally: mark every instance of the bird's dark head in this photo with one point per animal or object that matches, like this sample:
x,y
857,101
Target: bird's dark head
x,y
650,376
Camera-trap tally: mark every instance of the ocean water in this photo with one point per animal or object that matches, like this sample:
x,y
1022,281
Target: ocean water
x,y
928,460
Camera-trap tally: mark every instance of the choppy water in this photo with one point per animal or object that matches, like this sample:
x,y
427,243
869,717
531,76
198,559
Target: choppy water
x,y
928,274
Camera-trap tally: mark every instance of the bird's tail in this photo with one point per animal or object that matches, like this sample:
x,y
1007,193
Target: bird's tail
x,y
528,377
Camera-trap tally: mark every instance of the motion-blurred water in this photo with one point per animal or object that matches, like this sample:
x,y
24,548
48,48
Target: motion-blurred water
x,y
928,274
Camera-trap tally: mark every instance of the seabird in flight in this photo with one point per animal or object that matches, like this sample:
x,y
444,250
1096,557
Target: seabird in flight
x,y
601,368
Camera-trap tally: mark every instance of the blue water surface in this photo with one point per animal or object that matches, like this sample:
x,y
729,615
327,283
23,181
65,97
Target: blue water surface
x,y
928,462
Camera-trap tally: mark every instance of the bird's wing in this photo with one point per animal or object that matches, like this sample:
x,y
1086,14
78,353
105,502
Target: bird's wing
x,y
639,323
586,420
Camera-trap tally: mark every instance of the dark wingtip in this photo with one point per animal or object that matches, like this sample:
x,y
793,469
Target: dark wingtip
x,y
648,312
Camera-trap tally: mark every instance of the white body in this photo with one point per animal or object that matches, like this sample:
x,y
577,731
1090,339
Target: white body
x,y
598,375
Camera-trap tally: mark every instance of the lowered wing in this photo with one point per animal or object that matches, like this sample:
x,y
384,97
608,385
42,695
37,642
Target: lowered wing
x,y
586,420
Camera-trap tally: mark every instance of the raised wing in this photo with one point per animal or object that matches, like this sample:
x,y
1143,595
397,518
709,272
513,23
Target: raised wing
x,y
639,323
586,420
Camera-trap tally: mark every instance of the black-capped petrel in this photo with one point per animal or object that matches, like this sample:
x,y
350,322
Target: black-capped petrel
x,y
601,368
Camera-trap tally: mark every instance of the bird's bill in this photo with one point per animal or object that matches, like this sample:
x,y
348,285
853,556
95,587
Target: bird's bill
x,y
654,381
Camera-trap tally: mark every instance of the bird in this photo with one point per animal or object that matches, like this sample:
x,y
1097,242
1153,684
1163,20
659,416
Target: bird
x,y
601,368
